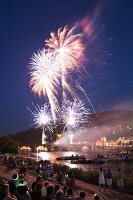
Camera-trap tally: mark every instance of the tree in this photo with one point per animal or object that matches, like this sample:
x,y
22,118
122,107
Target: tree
x,y
8,145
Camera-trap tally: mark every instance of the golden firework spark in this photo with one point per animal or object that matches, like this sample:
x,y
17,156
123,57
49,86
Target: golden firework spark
x,y
45,76
68,47
69,51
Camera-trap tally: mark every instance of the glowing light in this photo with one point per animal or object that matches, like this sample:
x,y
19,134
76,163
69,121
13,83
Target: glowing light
x,y
56,142
25,148
74,115
59,135
41,148
43,137
71,138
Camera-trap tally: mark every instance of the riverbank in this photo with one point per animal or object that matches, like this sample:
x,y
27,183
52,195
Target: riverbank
x,y
126,167
80,185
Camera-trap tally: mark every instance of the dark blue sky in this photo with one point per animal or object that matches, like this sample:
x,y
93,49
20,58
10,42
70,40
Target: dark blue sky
x,y
25,24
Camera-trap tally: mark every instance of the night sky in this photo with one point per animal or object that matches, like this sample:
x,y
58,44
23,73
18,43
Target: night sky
x,y
24,26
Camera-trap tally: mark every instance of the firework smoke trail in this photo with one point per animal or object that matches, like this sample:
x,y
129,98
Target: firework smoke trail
x,y
74,115
69,51
45,77
78,85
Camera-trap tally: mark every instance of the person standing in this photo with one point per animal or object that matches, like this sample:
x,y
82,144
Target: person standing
x,y
109,179
119,181
81,196
71,182
101,179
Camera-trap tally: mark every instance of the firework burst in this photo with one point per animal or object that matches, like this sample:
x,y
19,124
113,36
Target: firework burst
x,y
69,51
67,46
45,76
50,70
74,115
42,117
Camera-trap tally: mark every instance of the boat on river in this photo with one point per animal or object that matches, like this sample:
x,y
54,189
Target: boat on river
x,y
121,156
88,161
72,157
81,159
125,155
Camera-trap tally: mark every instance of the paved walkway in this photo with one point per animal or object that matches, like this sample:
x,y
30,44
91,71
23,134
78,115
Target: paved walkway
x,y
108,195
89,188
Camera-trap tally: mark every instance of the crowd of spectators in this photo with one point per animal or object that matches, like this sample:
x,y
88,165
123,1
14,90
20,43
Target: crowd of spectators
x,y
48,184
21,189
18,188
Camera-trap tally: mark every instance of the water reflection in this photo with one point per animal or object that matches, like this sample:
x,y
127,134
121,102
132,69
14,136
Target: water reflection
x,y
126,167
53,155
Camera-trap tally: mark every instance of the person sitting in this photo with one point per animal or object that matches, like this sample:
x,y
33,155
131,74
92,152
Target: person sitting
x,y
22,190
44,174
96,197
38,180
81,196
69,194
12,184
64,188
71,182
44,189
36,194
59,195
22,169
56,188
50,189
20,177
4,192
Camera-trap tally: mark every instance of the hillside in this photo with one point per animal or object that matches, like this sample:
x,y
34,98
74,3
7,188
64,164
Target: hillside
x,y
111,124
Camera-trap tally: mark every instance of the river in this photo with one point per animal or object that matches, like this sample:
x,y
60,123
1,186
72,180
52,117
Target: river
x,y
126,167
